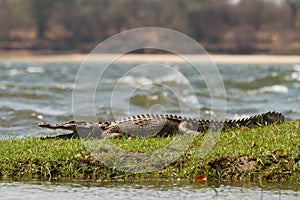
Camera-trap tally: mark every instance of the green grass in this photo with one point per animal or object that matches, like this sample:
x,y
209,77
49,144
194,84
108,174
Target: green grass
x,y
260,153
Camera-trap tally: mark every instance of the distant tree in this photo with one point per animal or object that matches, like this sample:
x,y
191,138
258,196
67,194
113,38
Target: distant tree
x,y
244,39
218,17
117,14
4,19
195,13
41,12
14,18
252,12
243,26
294,6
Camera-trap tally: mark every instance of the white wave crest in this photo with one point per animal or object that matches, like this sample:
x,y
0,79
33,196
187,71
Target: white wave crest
x,y
132,80
33,69
296,68
13,72
295,76
270,89
177,78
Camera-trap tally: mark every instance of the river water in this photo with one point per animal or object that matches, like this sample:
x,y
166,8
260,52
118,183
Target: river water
x,y
144,190
34,92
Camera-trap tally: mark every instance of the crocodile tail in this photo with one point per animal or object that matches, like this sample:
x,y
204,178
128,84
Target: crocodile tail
x,y
257,120
71,125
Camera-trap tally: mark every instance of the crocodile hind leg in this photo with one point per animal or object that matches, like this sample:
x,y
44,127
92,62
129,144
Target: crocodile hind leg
x,y
190,128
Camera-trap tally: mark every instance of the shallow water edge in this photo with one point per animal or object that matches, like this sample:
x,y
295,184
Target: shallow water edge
x,y
146,189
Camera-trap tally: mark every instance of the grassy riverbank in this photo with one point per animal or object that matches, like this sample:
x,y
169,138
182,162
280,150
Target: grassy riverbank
x,y
262,153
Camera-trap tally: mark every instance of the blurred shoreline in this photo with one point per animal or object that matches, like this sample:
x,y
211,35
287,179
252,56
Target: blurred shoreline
x,y
216,58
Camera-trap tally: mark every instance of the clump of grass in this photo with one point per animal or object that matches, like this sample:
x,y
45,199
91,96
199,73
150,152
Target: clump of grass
x,y
260,153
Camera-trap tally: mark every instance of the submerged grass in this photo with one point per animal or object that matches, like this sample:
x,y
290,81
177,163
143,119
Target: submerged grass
x,y
260,153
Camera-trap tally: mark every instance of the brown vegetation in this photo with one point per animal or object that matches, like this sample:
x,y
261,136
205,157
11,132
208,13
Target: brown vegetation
x,y
248,26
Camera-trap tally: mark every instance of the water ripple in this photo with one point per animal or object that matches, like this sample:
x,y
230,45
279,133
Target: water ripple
x,y
34,92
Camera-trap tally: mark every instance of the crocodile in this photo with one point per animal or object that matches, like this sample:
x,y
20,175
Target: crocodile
x,y
149,125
